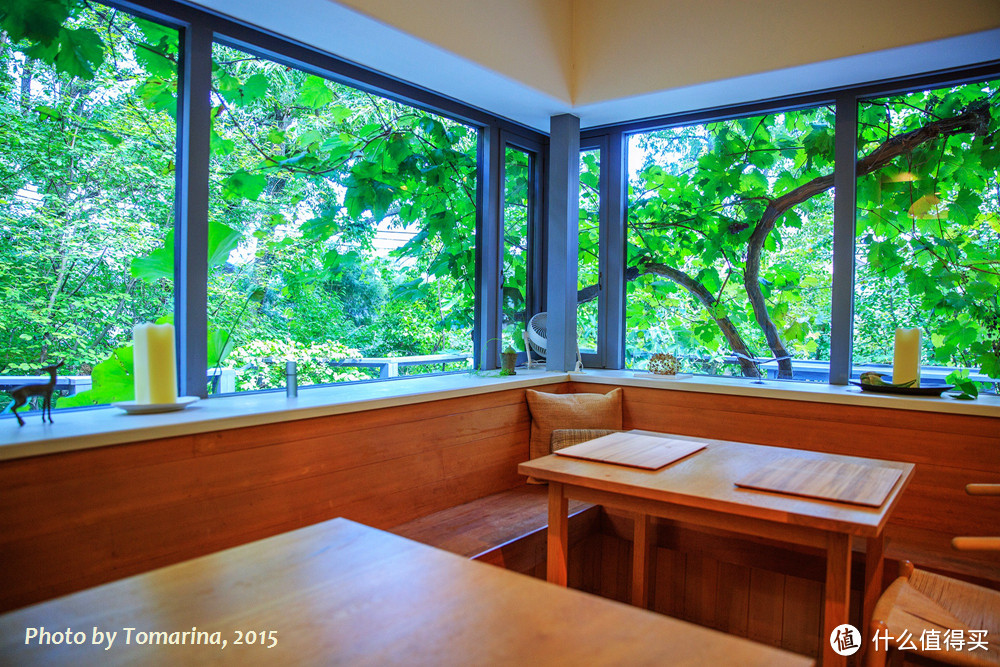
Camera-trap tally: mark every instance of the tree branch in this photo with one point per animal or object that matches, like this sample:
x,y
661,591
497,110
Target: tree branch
x,y
975,120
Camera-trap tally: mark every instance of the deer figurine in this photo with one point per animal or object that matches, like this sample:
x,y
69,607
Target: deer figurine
x,y
24,392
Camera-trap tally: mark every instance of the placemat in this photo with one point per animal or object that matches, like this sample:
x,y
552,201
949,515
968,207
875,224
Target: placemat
x,y
859,484
632,449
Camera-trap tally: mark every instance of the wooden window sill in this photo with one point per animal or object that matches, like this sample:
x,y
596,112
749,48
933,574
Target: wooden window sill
x,y
85,429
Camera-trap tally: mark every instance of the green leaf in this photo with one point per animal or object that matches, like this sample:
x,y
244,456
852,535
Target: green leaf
x,y
220,344
81,51
154,59
35,20
157,264
222,240
47,113
255,87
314,93
243,185
112,381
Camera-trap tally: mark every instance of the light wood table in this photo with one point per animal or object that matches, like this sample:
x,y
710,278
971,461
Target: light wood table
x,y
700,490
343,593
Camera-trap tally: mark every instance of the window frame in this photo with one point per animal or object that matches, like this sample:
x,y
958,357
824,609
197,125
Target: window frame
x,y
845,101
198,29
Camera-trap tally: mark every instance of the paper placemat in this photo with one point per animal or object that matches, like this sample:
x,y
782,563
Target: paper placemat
x,y
859,484
632,449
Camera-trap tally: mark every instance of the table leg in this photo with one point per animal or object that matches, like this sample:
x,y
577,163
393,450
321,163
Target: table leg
x,y
641,559
837,593
558,535
874,568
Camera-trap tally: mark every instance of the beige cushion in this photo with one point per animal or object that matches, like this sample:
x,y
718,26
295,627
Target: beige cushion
x,y
567,437
570,411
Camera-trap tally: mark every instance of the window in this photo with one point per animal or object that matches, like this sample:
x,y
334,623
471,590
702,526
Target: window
x,y
342,225
341,230
517,209
729,245
87,181
588,265
928,229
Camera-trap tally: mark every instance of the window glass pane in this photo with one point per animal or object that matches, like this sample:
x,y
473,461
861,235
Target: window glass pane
x,y
588,267
928,229
342,230
87,182
730,245
517,206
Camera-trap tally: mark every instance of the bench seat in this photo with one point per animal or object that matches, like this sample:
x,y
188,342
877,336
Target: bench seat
x,y
480,529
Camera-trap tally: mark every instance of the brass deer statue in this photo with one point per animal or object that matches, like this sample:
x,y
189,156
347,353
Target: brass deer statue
x,y
24,392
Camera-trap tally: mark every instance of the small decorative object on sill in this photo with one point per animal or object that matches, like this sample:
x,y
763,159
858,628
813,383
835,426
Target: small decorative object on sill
x,y
508,360
291,380
873,382
906,358
871,377
155,372
24,392
664,364
155,364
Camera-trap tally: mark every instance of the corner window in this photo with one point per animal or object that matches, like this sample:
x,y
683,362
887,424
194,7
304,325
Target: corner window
x,y
928,229
87,181
729,245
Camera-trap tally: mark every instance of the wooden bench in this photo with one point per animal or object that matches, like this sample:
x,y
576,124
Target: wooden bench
x,y
505,529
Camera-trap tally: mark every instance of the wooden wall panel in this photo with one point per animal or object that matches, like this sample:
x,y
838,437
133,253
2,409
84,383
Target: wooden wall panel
x,y
732,599
802,615
76,519
949,451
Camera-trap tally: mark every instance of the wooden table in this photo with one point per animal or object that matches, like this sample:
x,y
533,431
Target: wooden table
x,y
700,490
343,593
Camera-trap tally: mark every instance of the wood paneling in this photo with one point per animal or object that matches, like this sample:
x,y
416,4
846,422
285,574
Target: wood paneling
x,y
949,451
76,519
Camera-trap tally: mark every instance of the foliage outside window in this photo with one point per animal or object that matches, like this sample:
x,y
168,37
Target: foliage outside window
x,y
928,226
514,262
588,253
345,225
341,224
730,243
87,182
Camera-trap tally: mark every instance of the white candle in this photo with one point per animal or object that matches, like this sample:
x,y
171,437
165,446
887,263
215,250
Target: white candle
x,y
155,369
906,357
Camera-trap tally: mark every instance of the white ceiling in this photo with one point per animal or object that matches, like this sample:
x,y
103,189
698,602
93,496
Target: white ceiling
x,y
363,40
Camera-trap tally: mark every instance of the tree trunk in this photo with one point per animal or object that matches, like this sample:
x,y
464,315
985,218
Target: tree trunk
x,y
726,326
976,120
26,74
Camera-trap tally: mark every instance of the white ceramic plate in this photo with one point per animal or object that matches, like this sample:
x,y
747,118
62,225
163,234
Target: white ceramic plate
x,y
134,408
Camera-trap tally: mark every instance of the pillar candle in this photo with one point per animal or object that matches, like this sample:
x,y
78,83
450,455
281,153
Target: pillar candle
x,y
906,357
155,369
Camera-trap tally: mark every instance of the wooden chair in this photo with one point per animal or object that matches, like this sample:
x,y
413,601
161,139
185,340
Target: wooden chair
x,y
921,602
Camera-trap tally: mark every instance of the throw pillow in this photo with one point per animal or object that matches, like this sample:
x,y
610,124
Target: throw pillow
x,y
570,411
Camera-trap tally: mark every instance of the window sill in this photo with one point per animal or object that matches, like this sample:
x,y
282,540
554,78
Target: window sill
x,y
985,406
111,426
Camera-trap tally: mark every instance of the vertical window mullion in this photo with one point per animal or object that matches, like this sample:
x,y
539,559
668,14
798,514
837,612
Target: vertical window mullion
x,y
613,198
844,213
562,223
488,246
191,213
